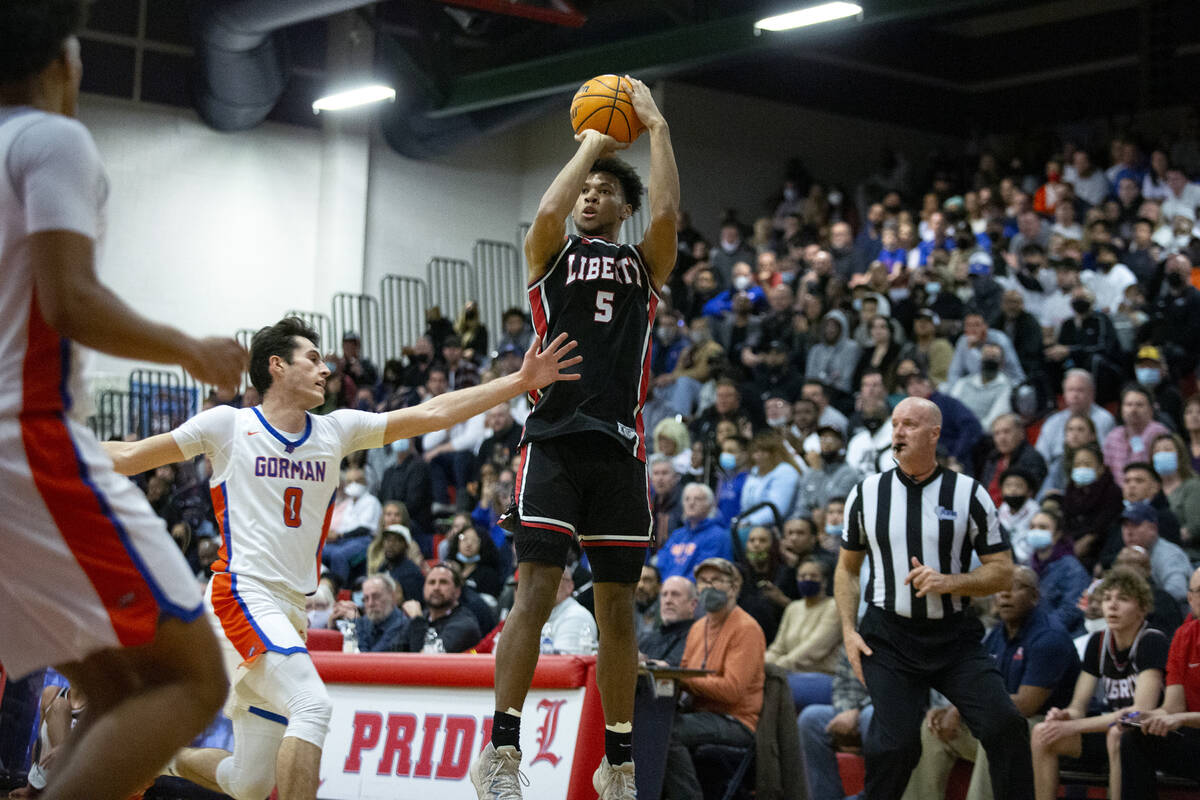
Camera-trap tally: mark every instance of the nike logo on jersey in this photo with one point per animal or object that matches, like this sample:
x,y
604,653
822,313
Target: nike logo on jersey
x,y
251,433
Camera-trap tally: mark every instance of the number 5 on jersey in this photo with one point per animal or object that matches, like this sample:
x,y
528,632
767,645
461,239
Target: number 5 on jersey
x,y
604,310
293,498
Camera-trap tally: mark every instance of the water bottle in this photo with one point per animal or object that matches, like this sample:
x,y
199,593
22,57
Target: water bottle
x,y
433,642
547,640
587,642
349,630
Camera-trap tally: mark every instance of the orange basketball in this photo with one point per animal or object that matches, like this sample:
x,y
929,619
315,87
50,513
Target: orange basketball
x,y
603,104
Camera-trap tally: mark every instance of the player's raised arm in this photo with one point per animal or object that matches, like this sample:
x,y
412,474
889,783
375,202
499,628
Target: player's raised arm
x,y
545,236
539,369
659,245
75,303
134,458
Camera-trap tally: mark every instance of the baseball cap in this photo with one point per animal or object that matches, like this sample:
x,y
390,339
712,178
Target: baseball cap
x,y
350,336
1149,353
397,530
452,341
980,263
721,565
1140,512
925,313
832,429
509,349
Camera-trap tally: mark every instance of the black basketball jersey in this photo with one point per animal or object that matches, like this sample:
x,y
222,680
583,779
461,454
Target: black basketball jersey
x,y
600,294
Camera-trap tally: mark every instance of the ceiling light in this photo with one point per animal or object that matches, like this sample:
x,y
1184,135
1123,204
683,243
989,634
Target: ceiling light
x,y
813,15
350,98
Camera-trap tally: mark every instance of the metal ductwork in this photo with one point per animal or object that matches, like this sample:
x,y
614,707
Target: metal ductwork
x,y
242,64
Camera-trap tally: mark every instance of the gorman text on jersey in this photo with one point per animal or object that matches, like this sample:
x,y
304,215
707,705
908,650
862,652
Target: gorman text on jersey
x,y
279,467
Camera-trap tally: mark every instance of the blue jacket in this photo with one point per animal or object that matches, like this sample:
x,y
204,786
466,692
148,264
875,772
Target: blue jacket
x,y
729,495
691,544
384,637
960,428
724,302
1041,655
1062,583
779,486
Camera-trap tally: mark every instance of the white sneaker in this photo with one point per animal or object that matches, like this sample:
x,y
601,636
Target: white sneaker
x,y
614,783
496,774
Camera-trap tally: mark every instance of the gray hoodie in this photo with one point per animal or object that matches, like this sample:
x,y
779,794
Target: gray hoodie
x,y
834,364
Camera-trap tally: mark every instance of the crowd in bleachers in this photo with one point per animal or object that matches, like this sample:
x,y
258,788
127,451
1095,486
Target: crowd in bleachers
x,y
1050,311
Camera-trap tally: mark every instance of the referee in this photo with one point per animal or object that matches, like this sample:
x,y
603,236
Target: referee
x,y
919,523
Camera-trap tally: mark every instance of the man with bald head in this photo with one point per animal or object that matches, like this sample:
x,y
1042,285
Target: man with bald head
x,y
1079,397
662,645
921,524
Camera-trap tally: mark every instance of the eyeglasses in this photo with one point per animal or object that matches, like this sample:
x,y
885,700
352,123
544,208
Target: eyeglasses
x,y
720,581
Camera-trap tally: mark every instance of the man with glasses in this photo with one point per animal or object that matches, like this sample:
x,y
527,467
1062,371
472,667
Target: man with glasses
x,y
725,705
1168,737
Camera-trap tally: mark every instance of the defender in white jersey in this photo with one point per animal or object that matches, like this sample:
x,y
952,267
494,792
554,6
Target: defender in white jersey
x,y
275,473
89,579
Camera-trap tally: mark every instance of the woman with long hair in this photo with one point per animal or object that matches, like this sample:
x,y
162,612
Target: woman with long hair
x,y
1191,430
883,354
394,551
1078,431
478,559
774,479
472,333
758,564
1169,456
1091,503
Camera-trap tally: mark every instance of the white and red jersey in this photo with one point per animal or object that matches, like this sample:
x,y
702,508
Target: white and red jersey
x,y
272,491
51,179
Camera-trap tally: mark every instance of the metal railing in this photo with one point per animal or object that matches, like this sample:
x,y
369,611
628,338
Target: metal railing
x,y
501,278
111,419
404,300
323,325
158,402
360,313
451,284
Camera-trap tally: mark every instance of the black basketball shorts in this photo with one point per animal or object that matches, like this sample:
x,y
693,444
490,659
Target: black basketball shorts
x,y
586,486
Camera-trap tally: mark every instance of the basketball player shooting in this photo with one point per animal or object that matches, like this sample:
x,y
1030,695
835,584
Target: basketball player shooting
x,y
275,469
583,471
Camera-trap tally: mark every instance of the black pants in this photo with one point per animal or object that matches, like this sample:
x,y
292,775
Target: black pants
x,y
1142,755
690,731
909,658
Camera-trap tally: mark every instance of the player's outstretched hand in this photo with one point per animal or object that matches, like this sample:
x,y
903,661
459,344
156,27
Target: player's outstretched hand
x,y
609,143
545,366
644,105
217,362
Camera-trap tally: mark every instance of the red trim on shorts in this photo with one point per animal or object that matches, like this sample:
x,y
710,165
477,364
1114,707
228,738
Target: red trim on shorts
x,y
548,526
91,535
234,622
602,543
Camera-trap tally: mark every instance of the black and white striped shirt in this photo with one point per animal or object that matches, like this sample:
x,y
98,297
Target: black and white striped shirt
x,y
939,521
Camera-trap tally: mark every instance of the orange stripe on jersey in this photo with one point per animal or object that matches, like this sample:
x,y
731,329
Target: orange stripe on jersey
x,y
92,533
325,530
44,374
221,512
235,621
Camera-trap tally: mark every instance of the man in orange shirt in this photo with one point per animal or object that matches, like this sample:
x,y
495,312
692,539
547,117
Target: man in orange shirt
x,y
726,704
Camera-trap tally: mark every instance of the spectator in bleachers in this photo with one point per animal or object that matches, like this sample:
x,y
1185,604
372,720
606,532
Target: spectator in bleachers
x,y
834,359
1169,565
1127,661
809,638
744,284
383,626
669,342
472,333
1079,398
931,352
1031,229
1109,279
827,413
420,359
799,541
318,606
731,249
1130,441
451,457
662,643
408,481
1181,196
1080,430
960,429
968,355
1023,331
395,553
703,535
1010,451
1154,184
571,628
1040,667
1062,580
354,364
726,704
1090,184
1092,503
831,478
1165,614
1165,738
882,355
1176,317
738,329
727,405
460,372
759,564
1142,256
500,444
479,560
733,468
1170,459
987,392
868,448
1142,486
354,521
455,629
1017,510
645,598
515,330
823,728
666,504
773,479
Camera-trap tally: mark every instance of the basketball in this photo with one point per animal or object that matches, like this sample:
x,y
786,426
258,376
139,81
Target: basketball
x,y
603,104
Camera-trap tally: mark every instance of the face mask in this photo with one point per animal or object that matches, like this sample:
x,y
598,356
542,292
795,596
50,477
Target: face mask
x,y
777,422
1166,462
1083,476
319,617
789,194
756,558
713,599
1148,376
355,490
989,367
857,304
1080,306
1015,501
332,365
467,559
1039,538
741,283
402,445
872,424
932,288
728,461
834,531
666,333
1093,625
1174,280
808,588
